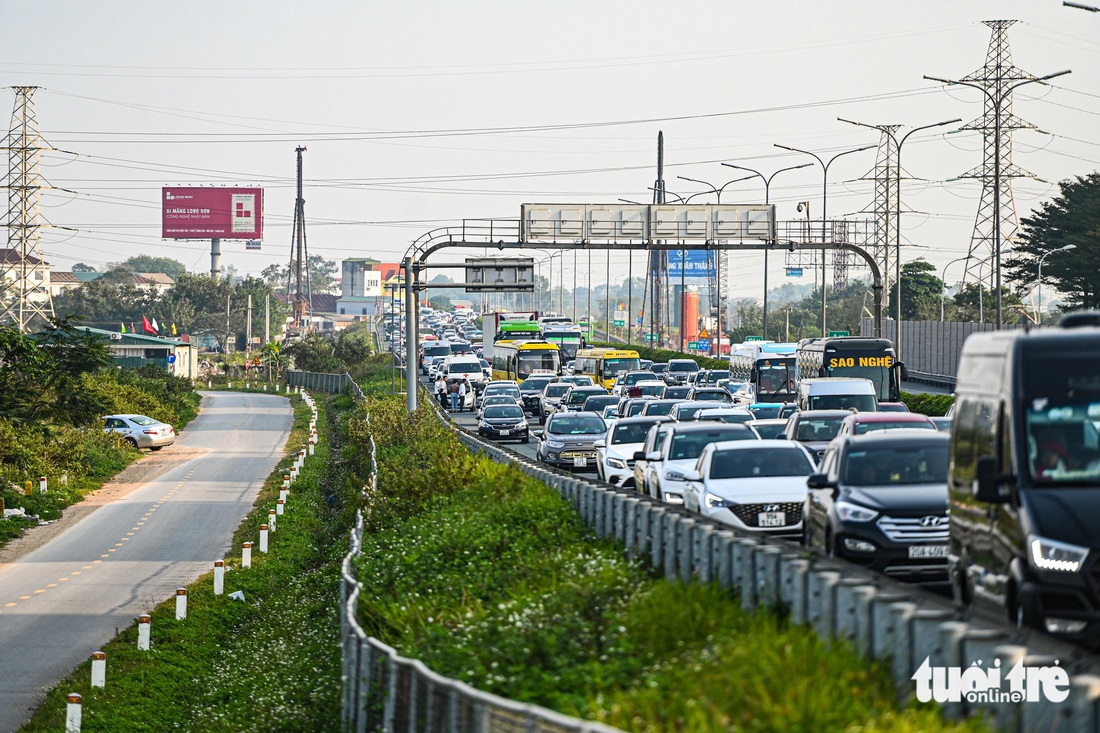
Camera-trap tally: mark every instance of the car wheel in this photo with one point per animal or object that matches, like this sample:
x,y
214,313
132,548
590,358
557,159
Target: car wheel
x,y
155,447
131,442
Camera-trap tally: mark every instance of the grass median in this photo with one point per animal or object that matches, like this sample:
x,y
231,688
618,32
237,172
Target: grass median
x,y
487,576
269,663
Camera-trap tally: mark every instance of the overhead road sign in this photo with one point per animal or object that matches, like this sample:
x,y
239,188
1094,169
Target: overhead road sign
x,y
554,223
502,274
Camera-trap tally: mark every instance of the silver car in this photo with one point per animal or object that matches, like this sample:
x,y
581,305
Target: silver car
x,y
140,431
569,438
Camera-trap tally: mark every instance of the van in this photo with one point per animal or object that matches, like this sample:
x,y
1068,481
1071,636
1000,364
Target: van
x,y
837,393
468,366
1024,477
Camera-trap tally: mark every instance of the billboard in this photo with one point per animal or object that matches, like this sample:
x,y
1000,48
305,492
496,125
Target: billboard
x,y
208,213
694,264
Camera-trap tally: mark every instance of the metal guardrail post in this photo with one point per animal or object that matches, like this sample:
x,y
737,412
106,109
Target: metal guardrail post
x,y
685,547
723,551
702,535
767,576
670,524
821,602
902,648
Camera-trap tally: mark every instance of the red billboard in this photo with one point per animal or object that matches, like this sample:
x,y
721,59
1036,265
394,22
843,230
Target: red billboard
x,y
208,213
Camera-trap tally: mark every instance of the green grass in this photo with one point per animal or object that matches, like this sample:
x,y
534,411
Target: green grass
x,y
487,576
270,663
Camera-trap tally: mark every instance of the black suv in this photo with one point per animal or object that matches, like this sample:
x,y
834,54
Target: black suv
x,y
880,500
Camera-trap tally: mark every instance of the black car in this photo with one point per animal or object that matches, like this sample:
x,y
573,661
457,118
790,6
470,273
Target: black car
x,y
530,391
880,500
574,399
597,402
676,392
504,422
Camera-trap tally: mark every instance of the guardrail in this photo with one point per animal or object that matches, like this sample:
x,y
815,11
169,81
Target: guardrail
x,y
911,627
322,382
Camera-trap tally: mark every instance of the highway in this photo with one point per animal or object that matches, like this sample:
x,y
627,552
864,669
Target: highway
x,y
62,601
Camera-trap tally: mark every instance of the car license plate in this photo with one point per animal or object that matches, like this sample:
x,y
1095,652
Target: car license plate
x,y
505,432
580,461
771,519
927,551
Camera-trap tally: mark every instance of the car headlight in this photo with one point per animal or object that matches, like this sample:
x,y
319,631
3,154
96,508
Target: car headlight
x,y
555,444
616,463
672,475
521,425
485,424
854,512
713,501
1052,555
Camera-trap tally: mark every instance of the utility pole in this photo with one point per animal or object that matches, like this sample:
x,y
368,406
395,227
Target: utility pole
x,y
267,319
658,268
248,330
24,297
298,255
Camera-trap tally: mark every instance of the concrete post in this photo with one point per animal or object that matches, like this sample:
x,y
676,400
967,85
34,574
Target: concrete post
x,y
246,555
703,537
73,712
685,548
656,535
144,622
792,576
1007,715
902,657
219,577
821,602
181,604
722,548
263,538
99,669
767,575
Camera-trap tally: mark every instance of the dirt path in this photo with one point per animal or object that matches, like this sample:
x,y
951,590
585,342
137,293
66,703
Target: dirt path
x,y
147,468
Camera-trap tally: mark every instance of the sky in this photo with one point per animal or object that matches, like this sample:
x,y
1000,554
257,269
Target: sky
x,y
417,115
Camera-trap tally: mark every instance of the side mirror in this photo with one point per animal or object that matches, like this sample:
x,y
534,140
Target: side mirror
x,y
639,455
691,474
600,444
904,371
820,481
536,433
653,455
987,486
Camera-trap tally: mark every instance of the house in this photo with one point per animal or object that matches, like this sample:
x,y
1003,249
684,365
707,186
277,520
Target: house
x,y
156,282
12,268
133,350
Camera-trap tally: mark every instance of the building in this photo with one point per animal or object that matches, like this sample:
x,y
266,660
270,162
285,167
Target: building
x,y
37,285
155,282
132,350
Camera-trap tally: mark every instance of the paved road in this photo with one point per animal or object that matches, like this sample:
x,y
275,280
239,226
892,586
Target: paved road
x,y
61,602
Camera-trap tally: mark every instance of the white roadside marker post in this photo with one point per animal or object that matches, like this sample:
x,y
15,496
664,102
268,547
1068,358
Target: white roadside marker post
x,y
219,577
73,710
144,622
246,555
181,604
99,669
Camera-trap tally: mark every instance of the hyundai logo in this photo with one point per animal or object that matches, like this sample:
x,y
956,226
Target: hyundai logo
x,y
771,507
932,521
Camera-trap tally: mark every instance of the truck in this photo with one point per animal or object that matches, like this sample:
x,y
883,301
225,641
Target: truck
x,y
493,331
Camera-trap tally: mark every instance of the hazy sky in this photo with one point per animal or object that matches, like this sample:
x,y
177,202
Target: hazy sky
x,y
410,110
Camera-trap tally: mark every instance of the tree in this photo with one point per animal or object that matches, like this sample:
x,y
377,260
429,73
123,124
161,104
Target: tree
x,y
321,275
146,263
920,292
1071,217
81,267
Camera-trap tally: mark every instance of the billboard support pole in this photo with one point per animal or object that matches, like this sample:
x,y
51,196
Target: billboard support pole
x,y
215,257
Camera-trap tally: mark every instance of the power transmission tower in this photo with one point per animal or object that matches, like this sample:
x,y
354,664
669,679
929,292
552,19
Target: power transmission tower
x,y
884,243
997,76
24,275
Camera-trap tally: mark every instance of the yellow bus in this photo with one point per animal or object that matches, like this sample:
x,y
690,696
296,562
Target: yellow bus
x,y
519,359
605,365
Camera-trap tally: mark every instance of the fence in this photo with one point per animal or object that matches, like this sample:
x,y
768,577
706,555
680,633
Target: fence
x,y
321,382
906,625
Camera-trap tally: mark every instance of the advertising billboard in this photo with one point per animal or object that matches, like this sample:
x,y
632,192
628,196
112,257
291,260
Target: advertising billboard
x,y
694,264
208,213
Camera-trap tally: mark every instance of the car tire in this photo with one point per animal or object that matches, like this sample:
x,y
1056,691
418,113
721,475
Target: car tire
x,y
131,442
155,447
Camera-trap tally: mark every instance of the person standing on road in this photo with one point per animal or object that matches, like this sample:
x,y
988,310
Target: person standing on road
x,y
441,392
454,396
461,395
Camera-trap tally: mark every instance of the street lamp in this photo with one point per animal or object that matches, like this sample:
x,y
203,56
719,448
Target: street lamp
x,y
767,200
1080,6
997,101
824,209
1039,304
897,214
943,282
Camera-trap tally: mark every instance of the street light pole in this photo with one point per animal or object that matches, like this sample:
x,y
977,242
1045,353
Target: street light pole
x,y
943,282
1039,304
767,200
997,101
897,212
824,209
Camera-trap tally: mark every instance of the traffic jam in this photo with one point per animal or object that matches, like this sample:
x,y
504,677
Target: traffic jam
x,y
810,442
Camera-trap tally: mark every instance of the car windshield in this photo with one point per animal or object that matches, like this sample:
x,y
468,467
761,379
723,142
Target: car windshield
x,y
581,381
465,368
457,347
651,390
583,425
764,412
717,374
142,420
686,412
636,377
691,444
862,402
1063,441
760,463
635,408
675,393
496,391
578,396
659,368
659,408
610,411
533,384
683,366
776,377
712,397
556,390
869,427
612,367
630,433
900,465
732,418
498,411
499,400
769,431
818,428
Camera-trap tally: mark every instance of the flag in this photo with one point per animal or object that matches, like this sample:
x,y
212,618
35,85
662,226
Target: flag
x,y
147,327
156,328
123,327
173,329
133,328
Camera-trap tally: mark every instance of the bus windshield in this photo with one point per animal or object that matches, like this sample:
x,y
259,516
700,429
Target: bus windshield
x,y
569,344
775,379
612,367
544,359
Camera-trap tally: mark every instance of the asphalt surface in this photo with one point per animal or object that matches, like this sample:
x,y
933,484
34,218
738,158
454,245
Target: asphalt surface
x,y
63,601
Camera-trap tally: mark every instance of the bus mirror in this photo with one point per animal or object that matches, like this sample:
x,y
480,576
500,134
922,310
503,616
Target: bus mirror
x,y
904,371
754,374
987,486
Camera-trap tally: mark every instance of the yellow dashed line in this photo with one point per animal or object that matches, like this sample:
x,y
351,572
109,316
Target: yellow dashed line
x,y
51,585
40,590
9,605
86,567
62,580
75,572
117,544
124,539
110,550
24,598
129,534
104,556
96,562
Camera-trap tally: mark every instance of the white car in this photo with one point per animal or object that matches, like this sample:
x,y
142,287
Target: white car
x,y
615,453
679,452
610,414
758,486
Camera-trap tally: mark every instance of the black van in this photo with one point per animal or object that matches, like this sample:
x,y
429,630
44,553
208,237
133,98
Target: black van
x,y
1024,478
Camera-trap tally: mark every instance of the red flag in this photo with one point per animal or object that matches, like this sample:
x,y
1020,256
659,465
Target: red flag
x,y
147,327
